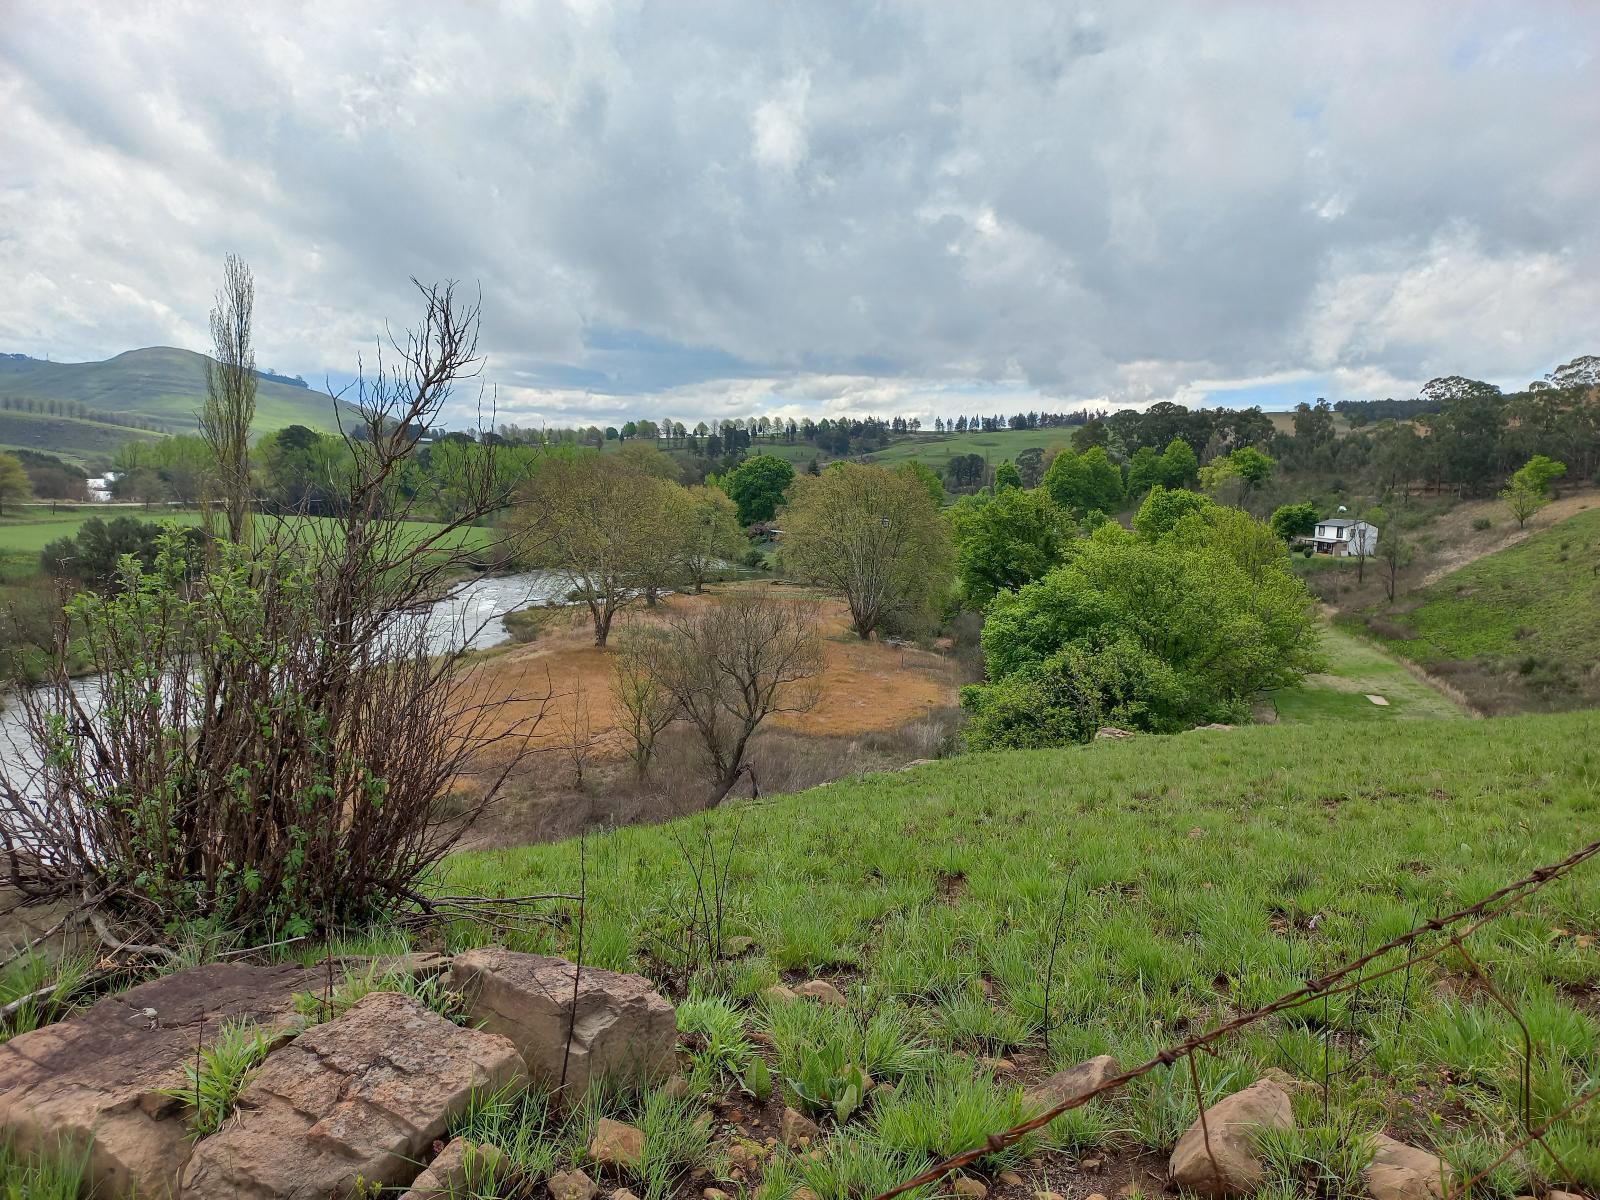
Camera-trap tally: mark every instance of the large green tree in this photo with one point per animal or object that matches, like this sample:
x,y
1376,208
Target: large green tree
x,y
758,485
874,535
14,482
1006,541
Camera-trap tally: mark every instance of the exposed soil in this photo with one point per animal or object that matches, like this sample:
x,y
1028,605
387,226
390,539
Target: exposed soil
x,y
1460,544
880,707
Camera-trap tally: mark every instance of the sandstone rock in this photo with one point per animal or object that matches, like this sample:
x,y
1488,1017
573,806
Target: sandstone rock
x,y
1000,1066
969,1189
797,1129
571,1185
805,1193
623,1029
1402,1172
616,1145
623,1194
1072,1083
362,1095
93,1082
1010,1179
1112,733
821,989
461,1166
737,945
715,1194
779,994
1050,1196
1233,1123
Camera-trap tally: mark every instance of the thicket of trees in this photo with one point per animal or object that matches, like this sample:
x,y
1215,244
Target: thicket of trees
x,y
1155,630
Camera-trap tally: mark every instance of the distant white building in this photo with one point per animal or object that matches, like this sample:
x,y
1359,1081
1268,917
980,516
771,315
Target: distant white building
x,y
1340,537
99,487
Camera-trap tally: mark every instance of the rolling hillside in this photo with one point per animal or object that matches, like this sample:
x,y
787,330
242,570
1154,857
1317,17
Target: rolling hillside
x,y
83,411
1517,630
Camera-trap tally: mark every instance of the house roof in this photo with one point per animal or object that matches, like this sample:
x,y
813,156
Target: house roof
x,y
1338,522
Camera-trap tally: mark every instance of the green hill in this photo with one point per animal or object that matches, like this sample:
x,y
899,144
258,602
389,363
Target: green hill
x,y
83,411
1518,630
1171,882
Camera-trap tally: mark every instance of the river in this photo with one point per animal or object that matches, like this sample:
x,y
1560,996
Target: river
x,y
471,616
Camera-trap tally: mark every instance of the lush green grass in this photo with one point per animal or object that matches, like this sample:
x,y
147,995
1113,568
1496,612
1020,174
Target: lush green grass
x,y
1202,874
1521,626
1357,668
88,444
26,530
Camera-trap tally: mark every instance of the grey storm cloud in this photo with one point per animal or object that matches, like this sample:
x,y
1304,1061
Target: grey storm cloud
x,y
704,209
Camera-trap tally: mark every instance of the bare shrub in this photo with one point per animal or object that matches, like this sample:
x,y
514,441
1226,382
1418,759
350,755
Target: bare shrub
x,y
730,665
274,738
645,708
578,738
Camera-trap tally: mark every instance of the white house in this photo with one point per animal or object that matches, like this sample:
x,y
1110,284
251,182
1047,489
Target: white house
x,y
99,487
1339,537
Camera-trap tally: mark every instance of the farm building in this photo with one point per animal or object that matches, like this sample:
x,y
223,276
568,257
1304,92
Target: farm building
x,y
1339,537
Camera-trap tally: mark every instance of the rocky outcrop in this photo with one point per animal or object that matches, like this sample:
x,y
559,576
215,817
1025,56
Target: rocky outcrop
x,y
94,1082
622,1029
1402,1172
1233,1125
1076,1081
616,1144
363,1096
463,1168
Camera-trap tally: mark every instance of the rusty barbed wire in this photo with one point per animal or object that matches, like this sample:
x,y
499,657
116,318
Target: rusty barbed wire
x,y
1463,922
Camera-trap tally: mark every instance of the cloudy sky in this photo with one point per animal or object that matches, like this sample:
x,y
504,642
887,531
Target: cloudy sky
x,y
699,209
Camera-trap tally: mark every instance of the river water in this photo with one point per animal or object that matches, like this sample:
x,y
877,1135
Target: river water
x,y
470,617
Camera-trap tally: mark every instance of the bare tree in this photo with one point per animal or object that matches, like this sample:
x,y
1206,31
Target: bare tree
x,y
646,708
1395,553
730,665
231,395
276,739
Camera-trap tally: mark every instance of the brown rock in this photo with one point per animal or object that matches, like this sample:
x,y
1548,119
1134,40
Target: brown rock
x,y
797,1129
571,1185
1097,1196
1010,1179
362,1095
1402,1172
623,1194
715,1194
623,1030
462,1166
1051,1196
969,1189
779,994
1000,1066
1233,1124
1072,1083
92,1082
737,945
616,1145
1112,733
821,989
805,1193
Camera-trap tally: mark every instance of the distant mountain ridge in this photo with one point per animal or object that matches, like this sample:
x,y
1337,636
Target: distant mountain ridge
x,y
84,410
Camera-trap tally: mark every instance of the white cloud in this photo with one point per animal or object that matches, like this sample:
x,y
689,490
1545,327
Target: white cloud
x,y
909,203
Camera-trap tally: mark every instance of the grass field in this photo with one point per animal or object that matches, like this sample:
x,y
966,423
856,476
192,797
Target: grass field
x,y
1516,629
1356,671
26,530
1198,875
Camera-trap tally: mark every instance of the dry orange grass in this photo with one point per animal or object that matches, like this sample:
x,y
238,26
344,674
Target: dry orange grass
x,y
867,687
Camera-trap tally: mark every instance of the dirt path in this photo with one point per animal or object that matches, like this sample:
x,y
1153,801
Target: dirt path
x,y
1466,544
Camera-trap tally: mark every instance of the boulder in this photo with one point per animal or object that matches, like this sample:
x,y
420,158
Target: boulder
x,y
1111,733
461,1169
1234,1123
363,1095
623,1030
94,1082
779,994
969,1188
1072,1083
616,1145
821,989
797,1129
571,1185
1402,1172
